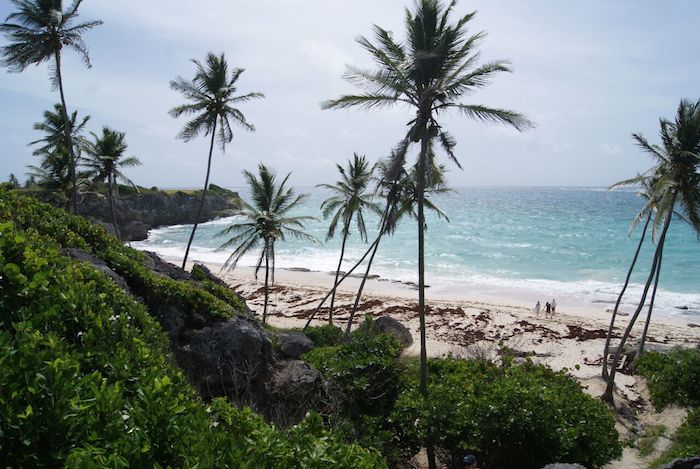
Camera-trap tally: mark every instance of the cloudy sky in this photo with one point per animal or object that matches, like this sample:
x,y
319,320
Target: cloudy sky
x,y
588,73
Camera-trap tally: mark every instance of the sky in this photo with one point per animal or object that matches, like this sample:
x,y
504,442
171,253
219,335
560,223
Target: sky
x,y
587,73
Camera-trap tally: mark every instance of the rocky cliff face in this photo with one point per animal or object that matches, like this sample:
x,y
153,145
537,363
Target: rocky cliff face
x,y
138,213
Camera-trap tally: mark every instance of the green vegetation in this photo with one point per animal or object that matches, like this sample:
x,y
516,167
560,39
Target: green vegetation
x,y
86,377
211,96
673,377
266,221
324,336
512,415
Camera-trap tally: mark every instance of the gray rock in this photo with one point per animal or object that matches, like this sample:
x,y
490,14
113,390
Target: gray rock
x,y
294,344
295,388
389,325
202,272
231,358
687,463
97,263
135,231
165,269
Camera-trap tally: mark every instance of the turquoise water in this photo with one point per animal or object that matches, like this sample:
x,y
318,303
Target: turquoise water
x,y
561,242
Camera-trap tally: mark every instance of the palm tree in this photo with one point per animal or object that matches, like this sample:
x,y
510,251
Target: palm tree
x,y
678,171
349,200
430,72
647,183
38,31
264,222
105,160
58,169
212,98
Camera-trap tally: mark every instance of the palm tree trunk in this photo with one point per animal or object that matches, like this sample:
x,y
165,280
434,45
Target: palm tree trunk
x,y
608,394
201,201
651,305
345,275
267,277
420,187
346,230
110,192
359,290
69,139
606,350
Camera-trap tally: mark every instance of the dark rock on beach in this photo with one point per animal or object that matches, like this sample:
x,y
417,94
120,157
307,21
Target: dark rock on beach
x,y
294,344
687,463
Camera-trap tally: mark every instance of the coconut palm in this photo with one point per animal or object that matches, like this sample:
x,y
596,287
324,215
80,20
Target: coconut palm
x,y
265,222
350,200
401,201
53,173
647,183
54,127
211,96
678,170
104,162
430,72
38,31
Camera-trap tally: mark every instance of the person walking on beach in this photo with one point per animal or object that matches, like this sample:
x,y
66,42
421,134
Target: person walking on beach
x,y
554,307
537,309
548,310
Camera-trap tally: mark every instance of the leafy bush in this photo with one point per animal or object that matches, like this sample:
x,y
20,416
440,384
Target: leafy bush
x,y
512,416
673,377
365,370
325,336
86,377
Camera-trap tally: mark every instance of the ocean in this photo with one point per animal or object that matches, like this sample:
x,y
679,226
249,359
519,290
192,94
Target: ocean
x,y
569,243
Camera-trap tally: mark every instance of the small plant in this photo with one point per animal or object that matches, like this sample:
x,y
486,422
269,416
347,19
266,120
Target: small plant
x,y
325,336
673,377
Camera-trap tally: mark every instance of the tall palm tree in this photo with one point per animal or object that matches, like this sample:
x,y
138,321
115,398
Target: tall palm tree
x,y
265,222
349,200
53,173
212,98
38,31
678,170
430,72
647,183
105,161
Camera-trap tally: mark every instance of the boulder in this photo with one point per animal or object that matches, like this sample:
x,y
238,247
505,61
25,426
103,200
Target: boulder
x,y
231,358
99,264
202,272
294,344
687,463
389,325
135,231
294,389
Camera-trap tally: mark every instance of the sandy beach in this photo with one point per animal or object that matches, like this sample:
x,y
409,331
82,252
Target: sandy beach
x,y
468,326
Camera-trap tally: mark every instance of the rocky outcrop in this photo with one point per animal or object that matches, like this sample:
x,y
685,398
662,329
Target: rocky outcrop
x,y
687,463
234,357
294,344
97,263
158,208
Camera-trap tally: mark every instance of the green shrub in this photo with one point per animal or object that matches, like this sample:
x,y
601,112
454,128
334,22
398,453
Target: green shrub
x,y
512,416
86,376
365,370
672,377
325,336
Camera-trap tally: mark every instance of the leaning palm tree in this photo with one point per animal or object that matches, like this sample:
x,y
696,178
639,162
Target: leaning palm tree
x,y
350,200
265,222
430,72
647,183
38,31
212,98
104,162
678,170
